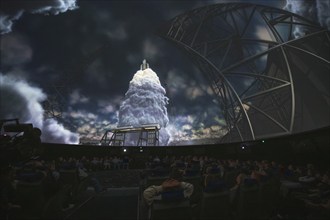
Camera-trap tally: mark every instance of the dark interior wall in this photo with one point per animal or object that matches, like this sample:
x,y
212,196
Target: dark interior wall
x,y
308,147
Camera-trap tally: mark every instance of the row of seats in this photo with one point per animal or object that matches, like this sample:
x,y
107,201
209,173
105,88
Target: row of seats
x,y
249,202
36,205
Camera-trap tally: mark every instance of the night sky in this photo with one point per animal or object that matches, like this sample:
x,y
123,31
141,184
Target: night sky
x,y
79,57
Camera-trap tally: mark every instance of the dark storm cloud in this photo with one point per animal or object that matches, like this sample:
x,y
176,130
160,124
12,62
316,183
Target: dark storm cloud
x,y
77,97
89,125
109,105
15,50
323,13
12,10
194,113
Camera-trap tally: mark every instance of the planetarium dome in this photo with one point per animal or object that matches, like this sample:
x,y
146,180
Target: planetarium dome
x,y
269,68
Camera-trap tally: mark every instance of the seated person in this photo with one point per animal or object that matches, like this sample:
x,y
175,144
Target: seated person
x,y
93,180
8,200
33,171
324,184
235,189
239,180
174,182
320,190
213,181
308,178
318,210
258,175
289,173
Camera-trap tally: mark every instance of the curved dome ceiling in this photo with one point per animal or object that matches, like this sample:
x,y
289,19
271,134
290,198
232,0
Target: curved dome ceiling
x,y
269,80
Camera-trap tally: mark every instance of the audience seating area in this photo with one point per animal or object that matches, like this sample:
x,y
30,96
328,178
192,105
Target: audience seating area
x,y
223,189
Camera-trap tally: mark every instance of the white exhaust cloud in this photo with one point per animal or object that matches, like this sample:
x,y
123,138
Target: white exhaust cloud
x,y
19,99
145,103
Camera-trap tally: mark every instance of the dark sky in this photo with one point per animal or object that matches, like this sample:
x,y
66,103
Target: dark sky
x,y
81,56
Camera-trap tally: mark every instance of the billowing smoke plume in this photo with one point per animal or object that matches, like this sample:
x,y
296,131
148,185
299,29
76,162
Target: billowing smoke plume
x,y
145,103
12,10
20,100
314,10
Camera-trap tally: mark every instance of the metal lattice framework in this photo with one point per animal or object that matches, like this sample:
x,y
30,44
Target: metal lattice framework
x,y
268,81
146,135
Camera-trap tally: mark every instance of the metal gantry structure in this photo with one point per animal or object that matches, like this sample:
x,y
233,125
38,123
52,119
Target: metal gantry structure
x,y
145,135
268,81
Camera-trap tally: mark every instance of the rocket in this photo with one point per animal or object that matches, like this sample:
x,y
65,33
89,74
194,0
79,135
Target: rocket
x,y
144,65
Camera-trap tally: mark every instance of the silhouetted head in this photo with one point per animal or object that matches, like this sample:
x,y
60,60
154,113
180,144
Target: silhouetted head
x,y
176,174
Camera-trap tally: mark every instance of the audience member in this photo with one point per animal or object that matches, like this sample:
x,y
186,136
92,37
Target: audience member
x,y
172,183
7,192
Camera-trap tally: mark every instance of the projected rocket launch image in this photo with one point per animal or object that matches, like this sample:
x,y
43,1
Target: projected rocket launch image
x,y
145,103
164,73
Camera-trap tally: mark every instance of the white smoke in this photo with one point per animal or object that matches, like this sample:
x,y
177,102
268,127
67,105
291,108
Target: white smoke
x,y
12,11
317,11
53,132
18,99
145,103
54,7
7,21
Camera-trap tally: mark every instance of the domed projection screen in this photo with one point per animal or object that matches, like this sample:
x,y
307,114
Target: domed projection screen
x,y
269,81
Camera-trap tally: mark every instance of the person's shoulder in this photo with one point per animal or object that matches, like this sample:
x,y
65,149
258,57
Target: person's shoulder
x,y
185,184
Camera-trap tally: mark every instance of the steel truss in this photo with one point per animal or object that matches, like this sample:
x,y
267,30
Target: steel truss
x,y
252,58
146,135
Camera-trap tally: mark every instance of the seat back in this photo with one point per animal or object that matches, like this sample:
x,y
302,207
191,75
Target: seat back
x,y
31,197
215,206
80,188
269,196
196,181
69,177
53,208
165,210
172,195
230,177
248,207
